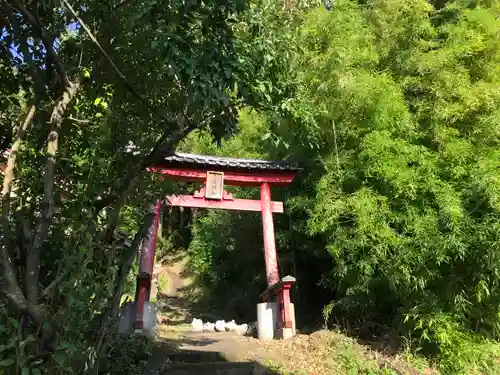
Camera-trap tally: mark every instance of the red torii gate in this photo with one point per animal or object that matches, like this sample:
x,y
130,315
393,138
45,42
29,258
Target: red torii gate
x,y
214,173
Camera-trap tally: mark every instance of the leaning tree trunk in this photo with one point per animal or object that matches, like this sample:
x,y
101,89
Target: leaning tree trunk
x,y
33,257
110,317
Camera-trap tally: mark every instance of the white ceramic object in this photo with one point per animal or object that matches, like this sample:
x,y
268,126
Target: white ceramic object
x,y
231,326
197,325
220,326
208,327
242,329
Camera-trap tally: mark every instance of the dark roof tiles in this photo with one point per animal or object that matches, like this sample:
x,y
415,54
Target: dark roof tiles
x,y
193,160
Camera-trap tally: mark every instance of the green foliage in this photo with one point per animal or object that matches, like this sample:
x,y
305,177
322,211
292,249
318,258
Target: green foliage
x,y
9,328
407,224
222,258
461,351
391,107
127,355
163,283
182,67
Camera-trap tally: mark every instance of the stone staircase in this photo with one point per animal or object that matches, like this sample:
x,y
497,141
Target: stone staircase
x,y
191,362
207,363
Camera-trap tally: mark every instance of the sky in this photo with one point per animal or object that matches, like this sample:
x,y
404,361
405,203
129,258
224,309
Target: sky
x,y
15,51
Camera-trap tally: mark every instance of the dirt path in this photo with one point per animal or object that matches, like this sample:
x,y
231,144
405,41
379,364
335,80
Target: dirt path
x,y
230,345
304,354
175,336
182,352
321,353
223,353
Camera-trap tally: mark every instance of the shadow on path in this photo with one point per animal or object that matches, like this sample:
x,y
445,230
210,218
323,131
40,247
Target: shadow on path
x,y
178,357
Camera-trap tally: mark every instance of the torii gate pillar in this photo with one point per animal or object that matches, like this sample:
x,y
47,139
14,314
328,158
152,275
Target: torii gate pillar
x,y
271,257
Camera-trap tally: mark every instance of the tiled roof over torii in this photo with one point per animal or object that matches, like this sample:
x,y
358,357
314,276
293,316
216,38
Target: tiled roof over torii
x,y
206,162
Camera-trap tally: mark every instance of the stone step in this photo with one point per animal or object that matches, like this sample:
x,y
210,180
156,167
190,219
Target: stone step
x,y
214,368
191,356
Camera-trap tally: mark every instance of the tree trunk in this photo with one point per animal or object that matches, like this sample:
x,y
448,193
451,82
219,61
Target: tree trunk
x,y
33,256
111,315
9,171
9,286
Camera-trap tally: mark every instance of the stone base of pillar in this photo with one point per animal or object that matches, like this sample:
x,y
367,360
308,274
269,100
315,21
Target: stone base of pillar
x,y
284,333
267,319
127,320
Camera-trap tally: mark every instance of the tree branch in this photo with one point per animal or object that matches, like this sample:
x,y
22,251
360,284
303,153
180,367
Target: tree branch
x,y
160,150
12,292
164,147
42,228
167,144
47,41
9,172
168,120
123,272
55,283
79,120
9,286
121,4
23,44
24,234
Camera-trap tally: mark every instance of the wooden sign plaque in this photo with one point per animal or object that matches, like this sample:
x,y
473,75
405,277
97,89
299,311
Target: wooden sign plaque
x,y
215,185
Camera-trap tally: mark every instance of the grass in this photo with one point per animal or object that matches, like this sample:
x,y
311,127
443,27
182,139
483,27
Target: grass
x,y
162,283
331,353
321,353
